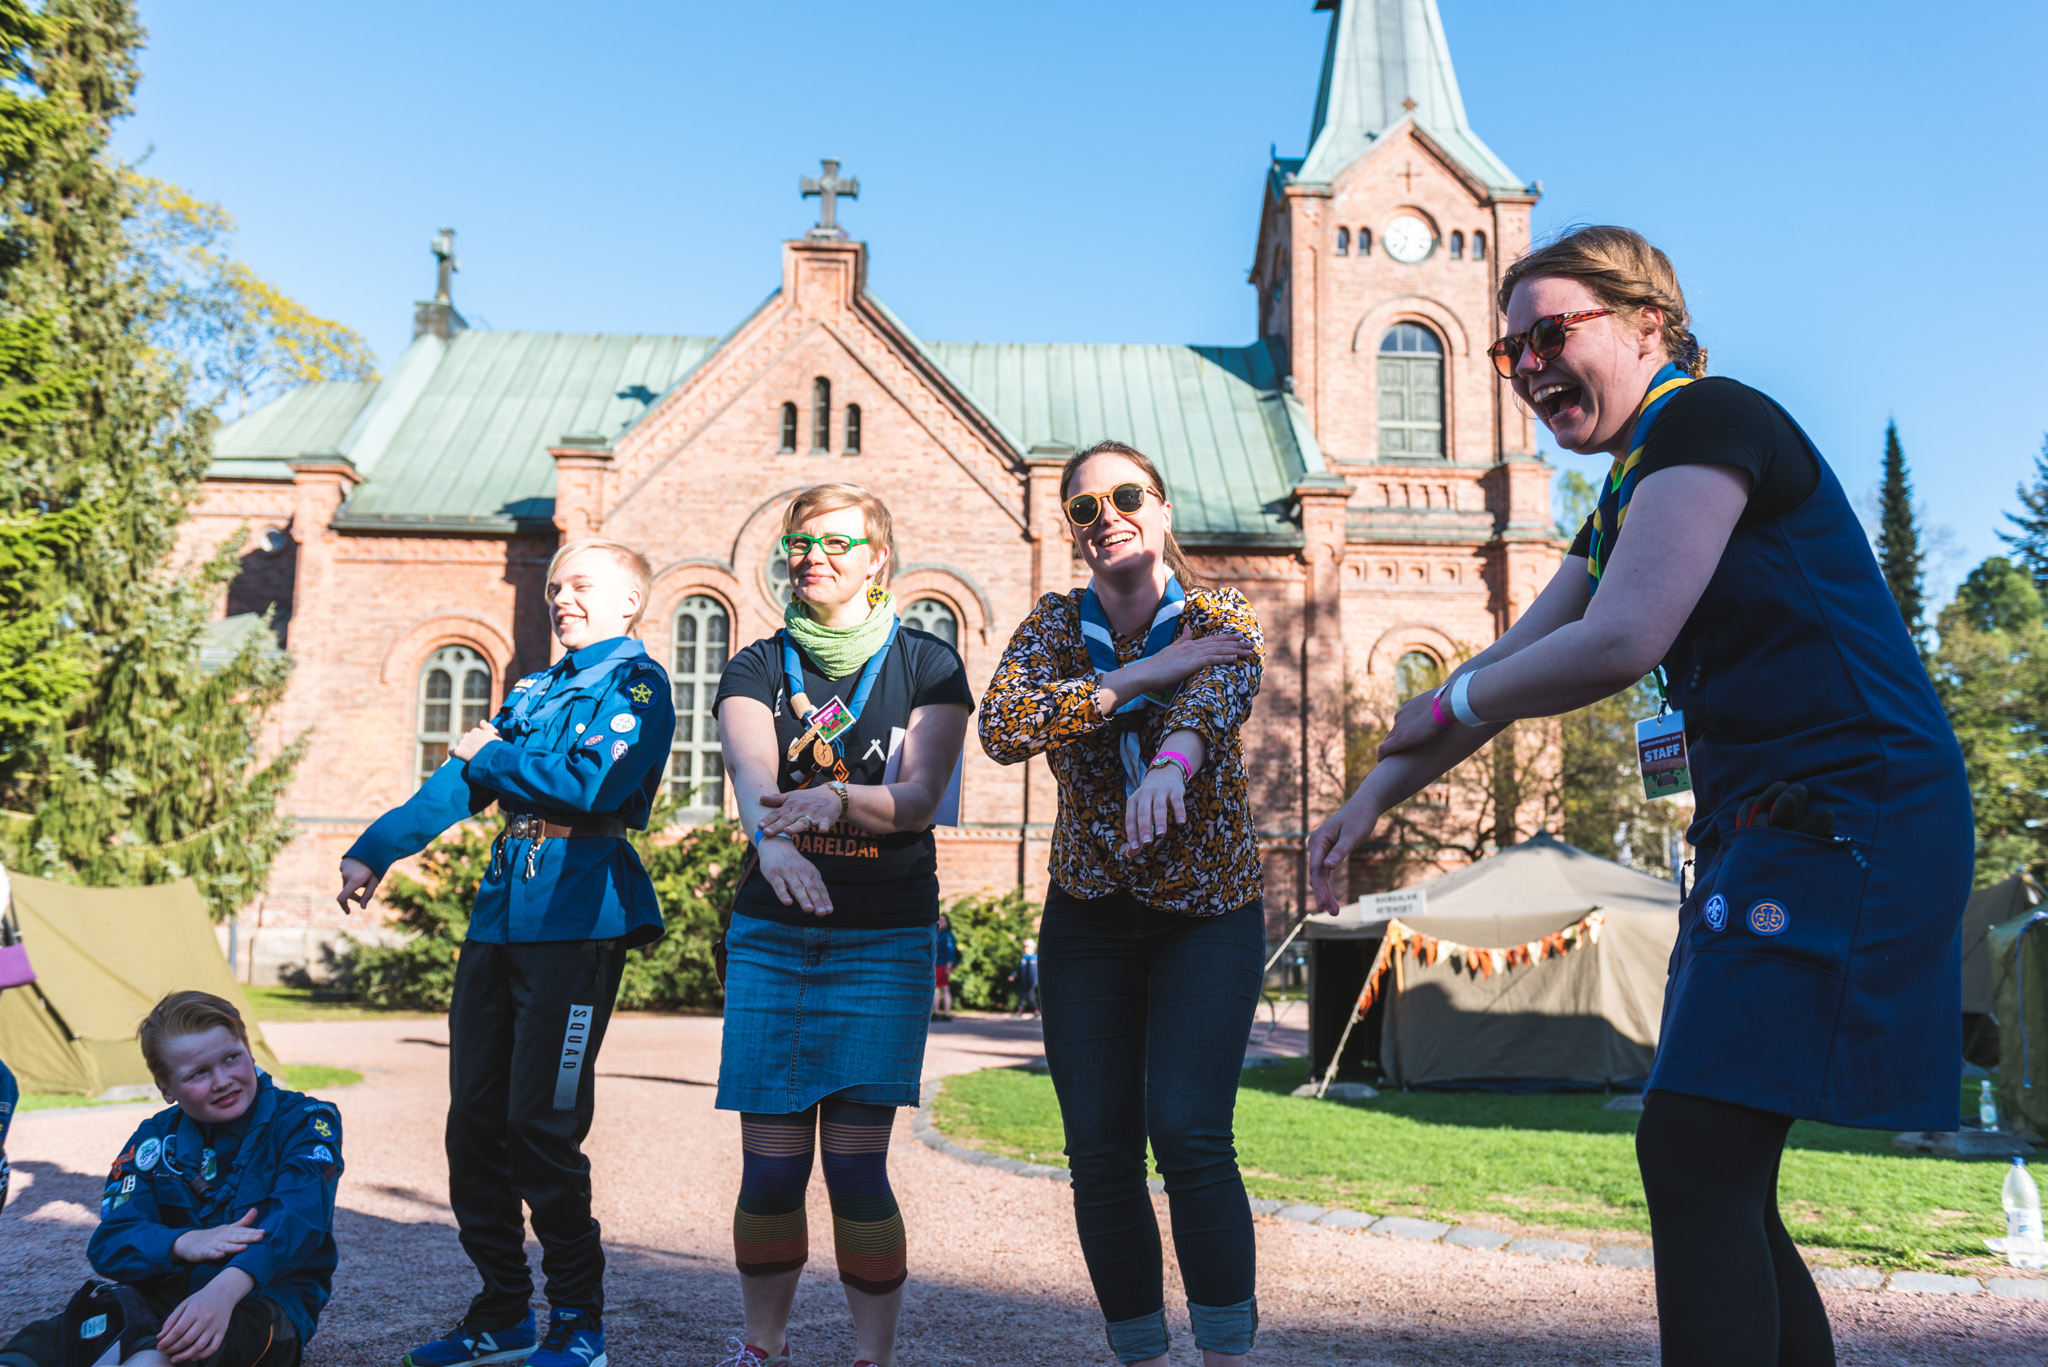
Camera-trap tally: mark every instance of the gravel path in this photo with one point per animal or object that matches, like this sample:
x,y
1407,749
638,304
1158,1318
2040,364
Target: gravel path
x,y
996,1278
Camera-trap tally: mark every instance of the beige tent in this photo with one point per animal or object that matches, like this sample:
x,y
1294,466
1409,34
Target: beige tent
x,y
103,957
2019,955
1992,906
1589,1017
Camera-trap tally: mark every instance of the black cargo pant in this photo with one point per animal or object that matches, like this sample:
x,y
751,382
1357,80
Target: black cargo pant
x,y
524,1031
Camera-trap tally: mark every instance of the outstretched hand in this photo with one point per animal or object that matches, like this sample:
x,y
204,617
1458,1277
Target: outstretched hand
x,y
195,1330
1187,654
358,885
1158,804
1332,844
1414,725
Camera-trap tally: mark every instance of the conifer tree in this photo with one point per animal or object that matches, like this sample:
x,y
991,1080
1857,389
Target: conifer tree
x,y
2029,537
155,773
1898,537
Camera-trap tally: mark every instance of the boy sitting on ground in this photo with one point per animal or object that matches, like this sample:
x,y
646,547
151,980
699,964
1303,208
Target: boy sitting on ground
x,y
217,1225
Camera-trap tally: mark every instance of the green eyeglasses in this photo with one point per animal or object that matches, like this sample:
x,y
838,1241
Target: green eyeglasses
x,y
796,545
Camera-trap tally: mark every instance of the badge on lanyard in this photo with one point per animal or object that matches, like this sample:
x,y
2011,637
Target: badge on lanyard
x,y
1660,753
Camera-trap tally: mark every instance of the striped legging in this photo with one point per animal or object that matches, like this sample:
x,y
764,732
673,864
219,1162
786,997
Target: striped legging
x,y
769,1231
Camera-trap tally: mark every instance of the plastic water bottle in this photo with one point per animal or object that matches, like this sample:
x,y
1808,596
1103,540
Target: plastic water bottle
x,y
2023,1246
1987,1106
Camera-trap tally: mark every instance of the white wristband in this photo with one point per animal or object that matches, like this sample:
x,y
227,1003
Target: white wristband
x,y
1461,709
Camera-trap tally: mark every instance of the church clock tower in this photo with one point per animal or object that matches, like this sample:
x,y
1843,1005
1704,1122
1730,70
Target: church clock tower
x,y
1379,251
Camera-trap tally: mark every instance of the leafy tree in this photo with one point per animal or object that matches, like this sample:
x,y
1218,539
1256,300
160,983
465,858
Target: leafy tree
x,y
1991,671
245,340
2029,537
1600,788
695,878
157,772
1898,537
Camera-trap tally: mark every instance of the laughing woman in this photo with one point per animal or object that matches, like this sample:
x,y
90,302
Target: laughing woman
x,y
1134,689
842,732
1816,971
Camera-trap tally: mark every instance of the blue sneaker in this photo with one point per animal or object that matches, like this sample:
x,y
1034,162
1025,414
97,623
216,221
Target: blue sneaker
x,y
575,1339
463,1346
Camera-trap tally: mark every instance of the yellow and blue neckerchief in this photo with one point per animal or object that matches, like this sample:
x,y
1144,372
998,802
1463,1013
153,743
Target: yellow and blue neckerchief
x,y
1612,509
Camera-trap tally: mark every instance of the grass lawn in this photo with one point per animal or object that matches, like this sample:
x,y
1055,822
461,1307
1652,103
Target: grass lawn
x,y
299,1004
299,1077
1532,1162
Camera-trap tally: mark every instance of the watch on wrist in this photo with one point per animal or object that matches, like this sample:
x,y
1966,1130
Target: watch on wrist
x,y
845,799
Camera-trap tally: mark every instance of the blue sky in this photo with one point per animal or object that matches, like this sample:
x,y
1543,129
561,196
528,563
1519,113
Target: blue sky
x,y
1853,193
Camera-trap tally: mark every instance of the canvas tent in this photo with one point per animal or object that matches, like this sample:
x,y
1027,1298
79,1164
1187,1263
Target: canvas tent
x,y
2019,957
1589,1017
103,957
1992,906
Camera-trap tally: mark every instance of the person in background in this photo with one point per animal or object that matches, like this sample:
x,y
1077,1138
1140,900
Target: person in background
x,y
574,759
1817,972
947,958
842,733
1026,981
10,1097
217,1220
1134,688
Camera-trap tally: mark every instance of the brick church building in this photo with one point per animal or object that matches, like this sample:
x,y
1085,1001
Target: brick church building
x,y
1357,470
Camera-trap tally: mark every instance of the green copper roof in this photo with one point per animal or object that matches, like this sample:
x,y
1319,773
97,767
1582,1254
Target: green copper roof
x,y
1387,60
457,436
1212,418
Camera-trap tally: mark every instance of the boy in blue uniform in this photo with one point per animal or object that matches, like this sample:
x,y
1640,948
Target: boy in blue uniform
x,y
218,1215
574,758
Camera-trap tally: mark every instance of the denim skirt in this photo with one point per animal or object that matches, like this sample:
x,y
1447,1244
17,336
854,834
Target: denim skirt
x,y
812,1011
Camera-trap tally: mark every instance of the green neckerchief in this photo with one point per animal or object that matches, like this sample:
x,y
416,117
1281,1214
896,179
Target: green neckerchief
x,y
839,651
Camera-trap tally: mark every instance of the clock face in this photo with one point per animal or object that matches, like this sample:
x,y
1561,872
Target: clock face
x,y
1408,239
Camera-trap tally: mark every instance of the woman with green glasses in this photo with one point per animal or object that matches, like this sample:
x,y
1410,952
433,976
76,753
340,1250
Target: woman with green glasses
x,y
842,733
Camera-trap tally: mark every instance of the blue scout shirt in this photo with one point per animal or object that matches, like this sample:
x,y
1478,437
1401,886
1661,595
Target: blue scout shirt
x,y
9,1095
587,737
282,1158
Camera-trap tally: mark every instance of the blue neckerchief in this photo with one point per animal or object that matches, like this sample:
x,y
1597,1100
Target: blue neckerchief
x,y
1620,486
561,683
1096,635
793,671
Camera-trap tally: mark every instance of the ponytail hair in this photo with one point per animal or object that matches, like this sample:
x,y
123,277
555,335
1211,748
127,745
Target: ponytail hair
x,y
1176,559
1625,273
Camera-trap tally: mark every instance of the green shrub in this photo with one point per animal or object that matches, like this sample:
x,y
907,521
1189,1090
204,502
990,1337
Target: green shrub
x,y
694,880
419,971
991,933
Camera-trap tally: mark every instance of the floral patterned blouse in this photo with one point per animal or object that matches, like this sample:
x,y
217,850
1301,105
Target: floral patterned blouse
x,y
1044,698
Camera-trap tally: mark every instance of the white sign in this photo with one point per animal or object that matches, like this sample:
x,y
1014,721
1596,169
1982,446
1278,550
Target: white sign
x,y
1385,906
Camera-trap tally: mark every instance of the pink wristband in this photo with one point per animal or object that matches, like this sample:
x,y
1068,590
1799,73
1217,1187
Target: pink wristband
x,y
1187,770
1436,709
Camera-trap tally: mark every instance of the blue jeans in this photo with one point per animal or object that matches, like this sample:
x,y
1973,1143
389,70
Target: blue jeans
x,y
1146,1017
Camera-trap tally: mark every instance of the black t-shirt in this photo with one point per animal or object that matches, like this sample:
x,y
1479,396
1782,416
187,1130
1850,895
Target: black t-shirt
x,y
876,881
1720,421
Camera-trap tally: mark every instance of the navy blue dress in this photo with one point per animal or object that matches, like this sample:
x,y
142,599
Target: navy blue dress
x,y
1817,977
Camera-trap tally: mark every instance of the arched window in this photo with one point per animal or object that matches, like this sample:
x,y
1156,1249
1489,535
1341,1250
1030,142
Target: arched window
x,y
1457,246
1365,242
1411,392
1343,242
821,416
455,694
696,766
1479,246
929,614
852,447
788,428
1416,672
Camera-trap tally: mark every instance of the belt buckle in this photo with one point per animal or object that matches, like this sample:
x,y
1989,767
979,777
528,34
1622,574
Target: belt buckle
x,y
525,827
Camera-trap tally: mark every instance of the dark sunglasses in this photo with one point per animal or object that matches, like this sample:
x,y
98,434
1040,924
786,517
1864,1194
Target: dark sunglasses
x,y
1084,509
1545,337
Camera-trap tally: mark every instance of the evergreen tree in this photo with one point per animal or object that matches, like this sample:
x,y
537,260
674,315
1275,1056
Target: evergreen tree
x,y
1898,537
156,773
2029,537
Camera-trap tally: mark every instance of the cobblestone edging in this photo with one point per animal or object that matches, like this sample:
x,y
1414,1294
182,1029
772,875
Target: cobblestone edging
x,y
1493,1241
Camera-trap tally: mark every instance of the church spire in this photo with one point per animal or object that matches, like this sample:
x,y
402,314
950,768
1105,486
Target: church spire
x,y
1386,61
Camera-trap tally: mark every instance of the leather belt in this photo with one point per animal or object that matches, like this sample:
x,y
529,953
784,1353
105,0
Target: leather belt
x,y
529,826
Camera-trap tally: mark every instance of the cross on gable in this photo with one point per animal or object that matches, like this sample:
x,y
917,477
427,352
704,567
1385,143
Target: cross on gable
x,y
1409,104
1408,175
827,189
